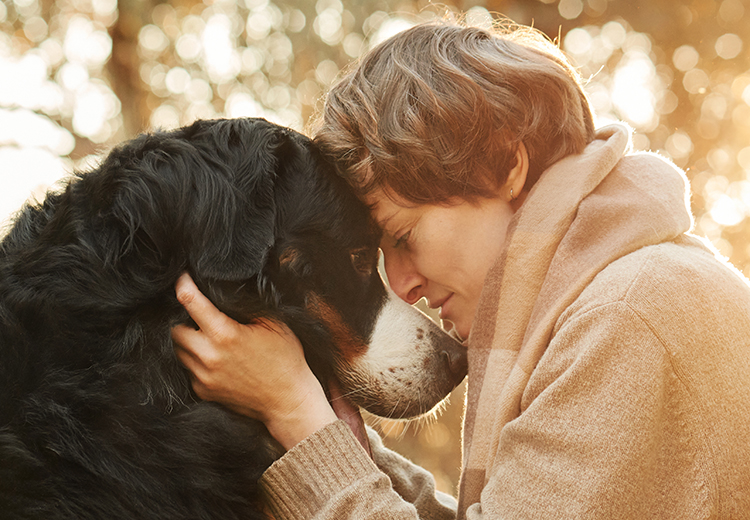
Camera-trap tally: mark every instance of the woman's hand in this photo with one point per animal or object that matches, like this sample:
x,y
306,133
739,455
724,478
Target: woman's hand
x,y
257,370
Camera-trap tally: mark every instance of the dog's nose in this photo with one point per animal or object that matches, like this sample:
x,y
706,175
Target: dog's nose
x,y
456,362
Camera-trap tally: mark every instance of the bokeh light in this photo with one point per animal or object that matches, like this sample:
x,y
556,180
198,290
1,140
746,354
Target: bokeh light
x,y
78,76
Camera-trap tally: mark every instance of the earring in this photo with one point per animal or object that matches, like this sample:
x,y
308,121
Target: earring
x,y
512,198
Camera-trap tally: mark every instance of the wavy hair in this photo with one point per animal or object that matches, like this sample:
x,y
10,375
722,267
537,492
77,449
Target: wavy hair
x,y
438,111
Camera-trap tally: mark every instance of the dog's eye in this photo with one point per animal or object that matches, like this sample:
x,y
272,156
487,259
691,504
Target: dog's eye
x,y
362,261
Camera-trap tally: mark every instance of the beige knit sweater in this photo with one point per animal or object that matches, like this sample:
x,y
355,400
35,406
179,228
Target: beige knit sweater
x,y
609,370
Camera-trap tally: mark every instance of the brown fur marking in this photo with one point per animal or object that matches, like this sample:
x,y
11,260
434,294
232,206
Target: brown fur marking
x,y
348,343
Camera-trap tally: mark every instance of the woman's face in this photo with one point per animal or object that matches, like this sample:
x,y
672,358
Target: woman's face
x,y
442,252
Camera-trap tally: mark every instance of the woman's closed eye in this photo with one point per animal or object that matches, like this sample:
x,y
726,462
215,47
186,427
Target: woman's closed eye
x,y
402,240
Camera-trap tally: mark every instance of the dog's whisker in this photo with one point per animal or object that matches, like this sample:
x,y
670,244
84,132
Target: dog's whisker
x,y
395,406
194,199
355,391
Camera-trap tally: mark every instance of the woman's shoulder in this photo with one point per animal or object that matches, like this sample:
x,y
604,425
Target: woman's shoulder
x,y
670,322
668,283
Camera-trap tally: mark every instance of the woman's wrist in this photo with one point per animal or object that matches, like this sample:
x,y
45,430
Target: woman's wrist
x,y
313,413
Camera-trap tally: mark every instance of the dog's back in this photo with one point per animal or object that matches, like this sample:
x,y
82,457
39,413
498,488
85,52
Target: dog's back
x,y
97,418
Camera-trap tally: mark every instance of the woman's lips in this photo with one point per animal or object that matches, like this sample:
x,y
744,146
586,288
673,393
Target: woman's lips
x,y
444,312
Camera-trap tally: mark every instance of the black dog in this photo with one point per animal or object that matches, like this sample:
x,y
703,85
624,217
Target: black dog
x,y
97,417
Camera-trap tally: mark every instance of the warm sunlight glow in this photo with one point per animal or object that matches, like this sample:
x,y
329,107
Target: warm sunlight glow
x,y
79,76
727,211
26,172
632,94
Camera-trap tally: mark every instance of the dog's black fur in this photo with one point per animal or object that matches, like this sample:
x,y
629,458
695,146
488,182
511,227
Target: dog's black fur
x,y
97,417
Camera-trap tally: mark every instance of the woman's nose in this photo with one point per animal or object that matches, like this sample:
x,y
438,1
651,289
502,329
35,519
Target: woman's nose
x,y
403,277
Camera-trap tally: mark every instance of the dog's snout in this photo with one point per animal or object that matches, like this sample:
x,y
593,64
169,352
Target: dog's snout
x,y
407,351
457,363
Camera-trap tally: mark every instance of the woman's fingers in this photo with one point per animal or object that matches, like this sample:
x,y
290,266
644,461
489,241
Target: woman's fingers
x,y
192,348
188,358
189,344
205,314
258,370
183,335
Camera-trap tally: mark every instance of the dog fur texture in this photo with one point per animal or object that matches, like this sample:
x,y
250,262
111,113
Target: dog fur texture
x,y
97,417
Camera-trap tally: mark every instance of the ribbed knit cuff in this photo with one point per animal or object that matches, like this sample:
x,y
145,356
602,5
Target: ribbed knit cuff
x,y
297,485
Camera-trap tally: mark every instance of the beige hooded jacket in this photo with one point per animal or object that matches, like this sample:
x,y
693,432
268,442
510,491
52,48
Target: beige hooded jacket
x,y
609,370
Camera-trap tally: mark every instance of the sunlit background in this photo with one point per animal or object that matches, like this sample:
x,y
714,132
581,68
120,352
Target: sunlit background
x,y
77,76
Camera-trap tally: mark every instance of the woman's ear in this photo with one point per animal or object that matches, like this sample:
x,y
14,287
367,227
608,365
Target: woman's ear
x,y
513,187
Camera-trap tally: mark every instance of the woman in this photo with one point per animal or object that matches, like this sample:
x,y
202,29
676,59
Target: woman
x,y
609,350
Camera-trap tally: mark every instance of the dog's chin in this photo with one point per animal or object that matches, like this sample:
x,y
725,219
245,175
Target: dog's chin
x,y
403,410
410,366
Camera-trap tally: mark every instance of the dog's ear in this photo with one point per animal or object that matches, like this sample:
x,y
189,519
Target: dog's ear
x,y
293,264
199,198
236,210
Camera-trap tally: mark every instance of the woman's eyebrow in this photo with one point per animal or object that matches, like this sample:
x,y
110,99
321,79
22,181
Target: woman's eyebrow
x,y
384,222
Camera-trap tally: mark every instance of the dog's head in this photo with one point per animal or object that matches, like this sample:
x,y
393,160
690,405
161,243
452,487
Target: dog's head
x,y
267,229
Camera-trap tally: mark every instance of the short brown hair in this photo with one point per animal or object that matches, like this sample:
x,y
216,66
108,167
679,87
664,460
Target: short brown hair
x,y
438,111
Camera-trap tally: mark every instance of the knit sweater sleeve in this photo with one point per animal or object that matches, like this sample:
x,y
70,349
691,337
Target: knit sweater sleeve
x,y
329,476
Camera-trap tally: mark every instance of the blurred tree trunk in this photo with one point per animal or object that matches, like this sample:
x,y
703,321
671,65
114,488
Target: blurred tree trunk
x,y
123,67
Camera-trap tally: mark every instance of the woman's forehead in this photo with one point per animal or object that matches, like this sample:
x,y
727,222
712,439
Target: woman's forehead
x,y
386,208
